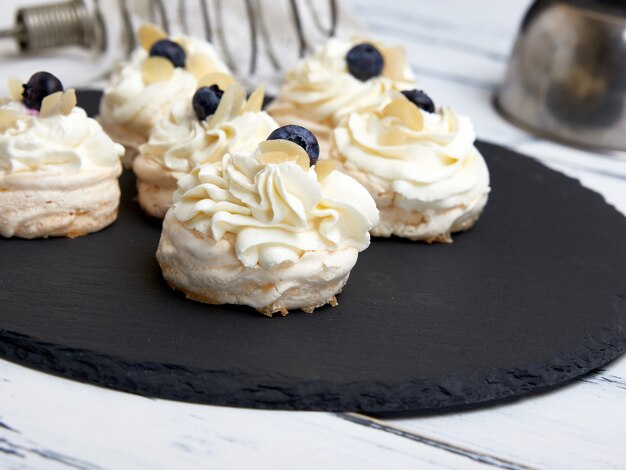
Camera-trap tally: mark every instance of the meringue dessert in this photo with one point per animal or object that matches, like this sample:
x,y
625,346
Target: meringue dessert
x,y
340,77
420,165
273,229
58,169
218,119
158,74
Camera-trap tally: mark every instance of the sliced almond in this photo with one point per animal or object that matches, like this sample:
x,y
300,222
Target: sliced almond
x,y
395,60
51,104
68,101
392,137
302,159
156,69
199,65
224,108
255,101
294,151
406,112
229,106
238,100
222,80
323,168
16,88
148,34
8,117
276,157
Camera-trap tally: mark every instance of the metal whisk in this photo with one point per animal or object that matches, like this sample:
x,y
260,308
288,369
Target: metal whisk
x,y
71,23
58,24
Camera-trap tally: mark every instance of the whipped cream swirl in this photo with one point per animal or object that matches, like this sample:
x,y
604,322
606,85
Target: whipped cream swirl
x,y
276,211
432,169
180,141
321,89
54,145
128,101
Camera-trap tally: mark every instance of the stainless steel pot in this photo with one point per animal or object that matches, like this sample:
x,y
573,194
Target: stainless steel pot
x,y
566,78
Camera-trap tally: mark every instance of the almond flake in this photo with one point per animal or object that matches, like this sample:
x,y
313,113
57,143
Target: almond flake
x,y
156,69
229,106
323,168
393,136
222,80
255,101
68,101
15,88
276,157
406,112
293,151
395,60
148,34
51,105
199,65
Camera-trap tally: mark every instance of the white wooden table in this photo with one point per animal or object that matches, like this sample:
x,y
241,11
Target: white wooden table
x,y
459,50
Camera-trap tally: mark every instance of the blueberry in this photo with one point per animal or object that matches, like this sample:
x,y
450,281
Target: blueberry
x,y
365,61
420,99
170,50
206,100
38,87
301,136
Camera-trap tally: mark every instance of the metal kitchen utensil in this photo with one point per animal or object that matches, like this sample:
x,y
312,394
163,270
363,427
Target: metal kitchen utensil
x,y
53,25
566,78
72,23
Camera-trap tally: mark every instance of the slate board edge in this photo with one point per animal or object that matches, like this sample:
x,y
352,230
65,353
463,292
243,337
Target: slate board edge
x,y
195,386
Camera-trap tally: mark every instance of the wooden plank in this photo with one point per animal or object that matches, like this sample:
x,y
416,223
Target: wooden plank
x,y
49,422
580,426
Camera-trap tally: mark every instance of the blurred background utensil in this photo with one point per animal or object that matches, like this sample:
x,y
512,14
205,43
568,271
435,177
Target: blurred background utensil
x,y
566,78
259,39
68,23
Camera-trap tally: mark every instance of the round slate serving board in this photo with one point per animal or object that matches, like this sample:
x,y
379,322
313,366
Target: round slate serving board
x,y
532,297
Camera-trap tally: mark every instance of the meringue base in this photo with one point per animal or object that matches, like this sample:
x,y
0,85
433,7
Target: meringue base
x,y
429,226
129,138
155,186
209,271
63,205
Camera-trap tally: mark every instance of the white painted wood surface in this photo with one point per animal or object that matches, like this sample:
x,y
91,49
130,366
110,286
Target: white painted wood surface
x,y
459,50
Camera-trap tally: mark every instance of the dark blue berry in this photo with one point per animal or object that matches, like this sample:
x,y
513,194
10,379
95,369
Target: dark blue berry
x,y
206,100
170,50
365,61
301,136
38,87
420,99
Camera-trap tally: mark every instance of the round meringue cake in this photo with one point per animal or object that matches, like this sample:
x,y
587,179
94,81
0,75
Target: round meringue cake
x,y
322,88
421,167
182,140
266,230
142,90
58,169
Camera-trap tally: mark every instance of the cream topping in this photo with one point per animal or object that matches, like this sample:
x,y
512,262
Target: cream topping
x,y
436,167
180,140
139,105
55,144
321,88
277,211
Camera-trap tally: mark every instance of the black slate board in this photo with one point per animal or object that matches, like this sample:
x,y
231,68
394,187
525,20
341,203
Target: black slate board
x,y
532,297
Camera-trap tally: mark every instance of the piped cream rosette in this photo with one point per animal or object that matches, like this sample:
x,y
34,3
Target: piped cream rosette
x,y
265,230
423,170
143,89
319,90
58,169
180,141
